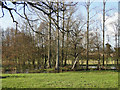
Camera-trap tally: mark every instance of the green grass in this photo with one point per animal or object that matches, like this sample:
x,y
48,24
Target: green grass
x,y
81,79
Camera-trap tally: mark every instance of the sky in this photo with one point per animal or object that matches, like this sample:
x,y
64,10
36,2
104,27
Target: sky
x,y
112,18
6,21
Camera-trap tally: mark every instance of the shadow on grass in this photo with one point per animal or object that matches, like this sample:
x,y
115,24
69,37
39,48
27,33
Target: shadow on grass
x,y
3,77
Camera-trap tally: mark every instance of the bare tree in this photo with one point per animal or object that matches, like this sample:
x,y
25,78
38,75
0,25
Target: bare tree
x,y
115,27
104,4
68,25
88,6
63,34
57,59
49,39
76,38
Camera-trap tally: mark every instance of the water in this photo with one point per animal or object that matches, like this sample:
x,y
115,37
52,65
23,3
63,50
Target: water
x,y
112,67
95,67
92,67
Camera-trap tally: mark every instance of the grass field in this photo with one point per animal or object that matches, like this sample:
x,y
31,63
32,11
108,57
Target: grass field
x,y
81,79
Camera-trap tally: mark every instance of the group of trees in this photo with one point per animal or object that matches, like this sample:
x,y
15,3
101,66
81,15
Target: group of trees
x,y
60,39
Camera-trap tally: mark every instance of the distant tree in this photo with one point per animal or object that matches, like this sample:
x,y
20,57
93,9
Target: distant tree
x,y
116,35
108,51
76,37
68,28
16,55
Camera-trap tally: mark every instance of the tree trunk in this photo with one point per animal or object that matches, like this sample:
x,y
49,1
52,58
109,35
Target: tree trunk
x,y
98,60
45,61
57,60
75,63
66,57
49,39
63,37
88,5
33,64
103,29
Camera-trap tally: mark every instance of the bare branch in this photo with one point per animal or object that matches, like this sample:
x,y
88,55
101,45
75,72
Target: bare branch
x,y
2,13
29,22
12,17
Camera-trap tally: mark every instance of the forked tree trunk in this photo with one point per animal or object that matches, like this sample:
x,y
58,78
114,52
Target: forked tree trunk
x,y
75,63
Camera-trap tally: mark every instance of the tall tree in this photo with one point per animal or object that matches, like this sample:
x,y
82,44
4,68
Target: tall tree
x,y
104,4
88,6
63,34
49,38
57,59
76,37
68,25
115,27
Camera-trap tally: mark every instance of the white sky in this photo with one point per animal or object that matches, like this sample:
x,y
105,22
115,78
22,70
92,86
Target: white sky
x,y
109,28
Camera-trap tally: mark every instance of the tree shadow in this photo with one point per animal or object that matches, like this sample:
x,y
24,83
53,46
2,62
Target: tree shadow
x,y
3,77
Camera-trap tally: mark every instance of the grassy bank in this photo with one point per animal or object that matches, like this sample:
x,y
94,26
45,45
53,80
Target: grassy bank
x,y
81,79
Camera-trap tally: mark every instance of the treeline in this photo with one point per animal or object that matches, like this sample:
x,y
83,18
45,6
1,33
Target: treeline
x,y
60,38
23,50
